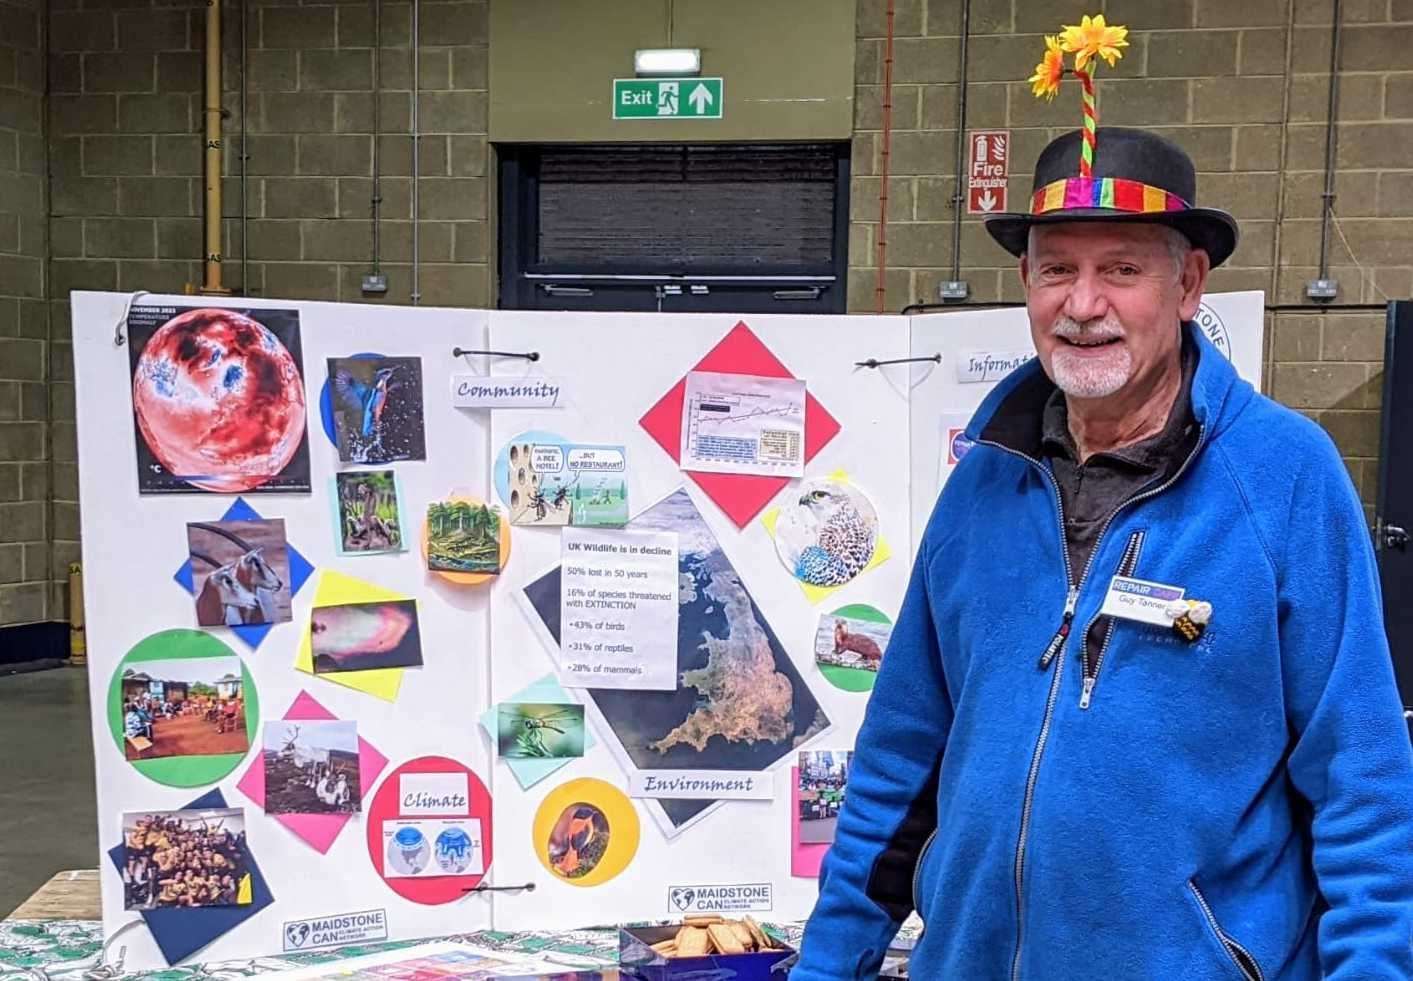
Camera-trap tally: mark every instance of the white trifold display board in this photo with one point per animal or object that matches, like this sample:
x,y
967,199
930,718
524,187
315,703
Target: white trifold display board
x,y
132,545
486,644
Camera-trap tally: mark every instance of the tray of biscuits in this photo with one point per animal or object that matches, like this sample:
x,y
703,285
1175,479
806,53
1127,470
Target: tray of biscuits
x,y
699,942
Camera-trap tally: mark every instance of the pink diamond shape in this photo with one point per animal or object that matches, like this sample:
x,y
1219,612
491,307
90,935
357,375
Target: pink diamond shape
x,y
741,496
318,830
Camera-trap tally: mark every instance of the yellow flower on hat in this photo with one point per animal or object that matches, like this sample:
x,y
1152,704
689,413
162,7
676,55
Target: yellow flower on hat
x,y
1046,80
1092,38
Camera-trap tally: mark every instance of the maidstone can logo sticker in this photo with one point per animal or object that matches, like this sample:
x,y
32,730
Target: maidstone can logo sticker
x,y
747,898
1216,331
336,930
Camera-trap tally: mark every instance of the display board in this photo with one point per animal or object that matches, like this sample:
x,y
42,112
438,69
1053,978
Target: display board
x,y
143,623
418,638
747,626
979,347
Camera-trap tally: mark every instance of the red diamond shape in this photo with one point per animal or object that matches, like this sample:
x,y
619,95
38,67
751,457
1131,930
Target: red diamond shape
x,y
741,496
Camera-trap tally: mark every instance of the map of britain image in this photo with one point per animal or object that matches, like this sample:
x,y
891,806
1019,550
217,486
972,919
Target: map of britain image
x,y
740,704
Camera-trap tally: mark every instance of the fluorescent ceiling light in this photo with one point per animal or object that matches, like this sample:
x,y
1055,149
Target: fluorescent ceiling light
x,y
667,61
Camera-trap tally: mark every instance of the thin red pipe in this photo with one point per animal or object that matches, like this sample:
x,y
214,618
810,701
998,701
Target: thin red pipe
x,y
880,289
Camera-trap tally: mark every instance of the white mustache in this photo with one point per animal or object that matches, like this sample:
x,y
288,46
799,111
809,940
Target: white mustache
x,y
1072,330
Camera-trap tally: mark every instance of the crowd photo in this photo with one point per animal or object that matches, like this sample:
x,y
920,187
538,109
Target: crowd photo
x,y
185,858
184,708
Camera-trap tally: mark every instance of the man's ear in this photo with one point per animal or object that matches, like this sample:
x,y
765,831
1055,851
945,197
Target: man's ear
x,y
1024,270
1192,282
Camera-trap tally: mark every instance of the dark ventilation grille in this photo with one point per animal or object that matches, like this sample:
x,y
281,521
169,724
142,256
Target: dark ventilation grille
x,y
673,207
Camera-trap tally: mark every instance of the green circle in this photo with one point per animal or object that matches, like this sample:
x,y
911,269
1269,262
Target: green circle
x,y
853,679
171,645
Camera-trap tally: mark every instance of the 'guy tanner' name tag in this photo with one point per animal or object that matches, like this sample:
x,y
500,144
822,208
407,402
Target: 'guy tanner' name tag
x,y
1138,599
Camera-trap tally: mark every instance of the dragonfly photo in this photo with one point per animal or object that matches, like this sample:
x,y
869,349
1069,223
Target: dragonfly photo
x,y
532,731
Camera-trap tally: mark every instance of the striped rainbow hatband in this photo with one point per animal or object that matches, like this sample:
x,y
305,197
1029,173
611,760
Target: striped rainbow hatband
x,y
1117,193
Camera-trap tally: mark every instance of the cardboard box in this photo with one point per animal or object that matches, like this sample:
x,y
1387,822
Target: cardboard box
x,y
637,959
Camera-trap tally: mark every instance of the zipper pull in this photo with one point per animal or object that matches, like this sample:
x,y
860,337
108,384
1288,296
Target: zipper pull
x,y
1058,641
1087,693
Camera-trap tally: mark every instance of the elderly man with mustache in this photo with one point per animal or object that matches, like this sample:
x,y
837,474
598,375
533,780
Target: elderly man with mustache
x,y
1137,719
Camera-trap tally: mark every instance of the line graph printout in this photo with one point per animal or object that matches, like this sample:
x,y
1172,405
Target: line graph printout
x,y
743,424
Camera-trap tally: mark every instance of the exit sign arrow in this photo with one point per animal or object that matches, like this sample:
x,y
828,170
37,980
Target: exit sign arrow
x,y
667,98
700,98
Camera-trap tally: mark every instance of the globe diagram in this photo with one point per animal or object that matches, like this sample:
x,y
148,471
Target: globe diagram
x,y
219,400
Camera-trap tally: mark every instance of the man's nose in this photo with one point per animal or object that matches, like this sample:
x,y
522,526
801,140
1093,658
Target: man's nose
x,y
1085,300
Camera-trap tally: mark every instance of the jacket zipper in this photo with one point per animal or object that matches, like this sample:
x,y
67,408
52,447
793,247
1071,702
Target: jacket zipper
x,y
1088,683
917,872
1054,652
1229,943
1066,622
1127,565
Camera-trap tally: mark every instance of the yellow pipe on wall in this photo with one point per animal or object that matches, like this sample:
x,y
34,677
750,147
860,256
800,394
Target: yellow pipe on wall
x,y
211,281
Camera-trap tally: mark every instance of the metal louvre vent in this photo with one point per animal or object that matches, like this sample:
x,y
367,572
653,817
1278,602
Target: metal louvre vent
x,y
687,206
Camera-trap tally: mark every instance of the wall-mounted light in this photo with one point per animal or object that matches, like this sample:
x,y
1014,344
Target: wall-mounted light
x,y
650,62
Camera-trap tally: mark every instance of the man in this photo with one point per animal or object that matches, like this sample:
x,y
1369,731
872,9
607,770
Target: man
x,y
1071,775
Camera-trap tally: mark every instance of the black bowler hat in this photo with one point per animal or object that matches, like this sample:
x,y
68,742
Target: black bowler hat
x,y
1138,176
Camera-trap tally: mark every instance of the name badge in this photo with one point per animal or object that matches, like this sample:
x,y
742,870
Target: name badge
x,y
1140,600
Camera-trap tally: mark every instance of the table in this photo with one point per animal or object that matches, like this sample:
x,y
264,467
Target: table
x,y
68,896
57,934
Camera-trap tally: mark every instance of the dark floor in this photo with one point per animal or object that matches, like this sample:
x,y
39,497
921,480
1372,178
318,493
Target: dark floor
x,y
47,820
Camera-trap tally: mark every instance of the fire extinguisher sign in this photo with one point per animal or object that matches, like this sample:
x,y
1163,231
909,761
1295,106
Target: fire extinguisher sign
x,y
988,170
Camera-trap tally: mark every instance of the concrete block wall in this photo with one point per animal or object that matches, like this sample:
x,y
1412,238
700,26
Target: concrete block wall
x,y
1243,87
125,161
25,592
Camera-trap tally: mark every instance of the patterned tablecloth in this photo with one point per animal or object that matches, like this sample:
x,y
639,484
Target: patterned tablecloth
x,y
73,949
41,950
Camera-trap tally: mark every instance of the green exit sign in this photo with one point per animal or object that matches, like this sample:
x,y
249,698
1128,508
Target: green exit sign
x,y
667,98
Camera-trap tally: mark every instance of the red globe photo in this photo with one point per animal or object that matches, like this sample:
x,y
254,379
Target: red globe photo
x,y
219,400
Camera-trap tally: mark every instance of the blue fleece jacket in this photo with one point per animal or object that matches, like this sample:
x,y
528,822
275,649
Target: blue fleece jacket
x,y
1241,806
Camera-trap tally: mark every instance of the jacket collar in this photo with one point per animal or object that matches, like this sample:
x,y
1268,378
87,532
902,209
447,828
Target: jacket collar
x,y
1011,414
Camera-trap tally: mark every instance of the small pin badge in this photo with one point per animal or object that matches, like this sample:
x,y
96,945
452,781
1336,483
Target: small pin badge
x,y
1190,617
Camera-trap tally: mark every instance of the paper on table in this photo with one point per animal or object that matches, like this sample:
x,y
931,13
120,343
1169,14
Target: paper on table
x,y
333,589
530,772
740,496
319,830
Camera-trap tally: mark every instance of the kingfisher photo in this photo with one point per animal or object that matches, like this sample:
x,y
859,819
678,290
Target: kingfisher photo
x,y
377,406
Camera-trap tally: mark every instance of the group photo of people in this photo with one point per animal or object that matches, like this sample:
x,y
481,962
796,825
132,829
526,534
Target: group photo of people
x,y
185,858
824,774
192,707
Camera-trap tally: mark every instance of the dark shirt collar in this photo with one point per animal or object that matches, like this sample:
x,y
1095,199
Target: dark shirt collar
x,y
1147,456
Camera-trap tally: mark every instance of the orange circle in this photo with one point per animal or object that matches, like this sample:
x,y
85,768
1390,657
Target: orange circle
x,y
470,578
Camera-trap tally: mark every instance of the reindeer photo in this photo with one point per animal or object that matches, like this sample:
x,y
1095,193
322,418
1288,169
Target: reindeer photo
x,y
311,767
240,572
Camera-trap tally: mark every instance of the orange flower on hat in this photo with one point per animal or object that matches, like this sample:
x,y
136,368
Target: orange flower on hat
x,y
1092,38
1046,80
